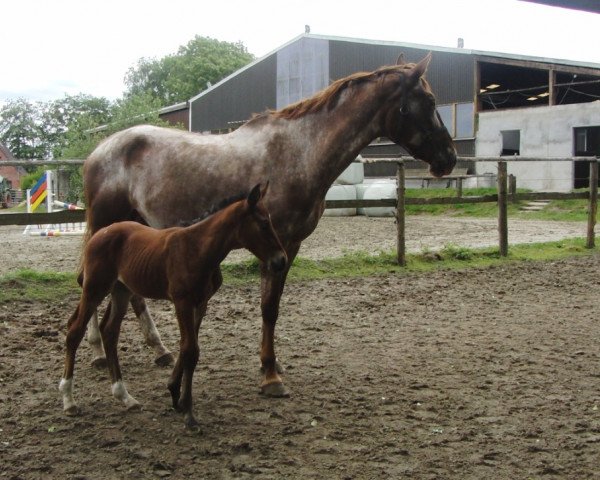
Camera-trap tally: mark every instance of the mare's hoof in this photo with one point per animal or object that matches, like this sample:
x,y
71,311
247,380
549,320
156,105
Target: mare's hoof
x,y
134,406
191,423
278,368
72,411
99,363
165,360
275,390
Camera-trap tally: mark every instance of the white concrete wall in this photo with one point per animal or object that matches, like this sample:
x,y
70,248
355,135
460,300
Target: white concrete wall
x,y
545,132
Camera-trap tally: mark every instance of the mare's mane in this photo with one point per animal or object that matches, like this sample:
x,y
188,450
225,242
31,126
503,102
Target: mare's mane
x,y
329,96
214,209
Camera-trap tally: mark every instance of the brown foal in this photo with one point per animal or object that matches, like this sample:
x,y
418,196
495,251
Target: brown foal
x,y
181,264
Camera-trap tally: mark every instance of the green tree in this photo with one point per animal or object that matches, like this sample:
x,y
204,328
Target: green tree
x,y
195,66
22,130
86,131
73,114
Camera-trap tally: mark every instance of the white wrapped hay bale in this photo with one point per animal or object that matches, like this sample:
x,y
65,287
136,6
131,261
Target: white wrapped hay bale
x,y
353,175
377,189
340,192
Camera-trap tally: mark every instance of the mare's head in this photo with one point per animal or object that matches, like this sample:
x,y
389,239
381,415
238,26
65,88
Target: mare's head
x,y
413,122
256,232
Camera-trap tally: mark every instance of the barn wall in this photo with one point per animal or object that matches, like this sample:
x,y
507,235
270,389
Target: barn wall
x,y
177,117
450,74
544,132
302,70
250,91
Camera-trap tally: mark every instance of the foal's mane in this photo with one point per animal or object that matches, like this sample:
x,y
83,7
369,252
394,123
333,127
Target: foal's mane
x,y
214,209
329,96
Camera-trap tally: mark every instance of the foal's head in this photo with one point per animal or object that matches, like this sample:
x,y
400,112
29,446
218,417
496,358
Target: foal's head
x,y
256,232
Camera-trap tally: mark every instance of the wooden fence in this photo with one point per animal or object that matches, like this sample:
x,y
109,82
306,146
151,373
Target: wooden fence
x,y
502,198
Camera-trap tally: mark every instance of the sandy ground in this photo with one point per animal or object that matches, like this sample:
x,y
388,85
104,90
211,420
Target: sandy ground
x,y
333,237
486,373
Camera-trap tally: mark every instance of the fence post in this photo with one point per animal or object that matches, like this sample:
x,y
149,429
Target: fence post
x,y
459,187
400,215
502,208
512,188
593,204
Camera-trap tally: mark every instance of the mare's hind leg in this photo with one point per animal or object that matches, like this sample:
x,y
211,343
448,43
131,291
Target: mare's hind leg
x,y
94,340
110,328
76,331
163,357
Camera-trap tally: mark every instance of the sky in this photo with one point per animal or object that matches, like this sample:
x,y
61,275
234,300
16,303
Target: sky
x,y
49,48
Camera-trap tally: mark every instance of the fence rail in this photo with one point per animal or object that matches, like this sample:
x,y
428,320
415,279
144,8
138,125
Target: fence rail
x,y
502,198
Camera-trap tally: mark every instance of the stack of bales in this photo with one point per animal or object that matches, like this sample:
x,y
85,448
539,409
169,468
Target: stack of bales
x,y
352,185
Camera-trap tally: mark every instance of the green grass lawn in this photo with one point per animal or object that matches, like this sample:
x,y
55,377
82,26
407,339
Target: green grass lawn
x,y
28,285
559,210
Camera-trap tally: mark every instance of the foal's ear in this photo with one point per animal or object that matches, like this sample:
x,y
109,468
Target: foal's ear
x,y
254,196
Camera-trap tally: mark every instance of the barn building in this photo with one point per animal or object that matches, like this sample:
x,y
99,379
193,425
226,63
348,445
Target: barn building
x,y
492,103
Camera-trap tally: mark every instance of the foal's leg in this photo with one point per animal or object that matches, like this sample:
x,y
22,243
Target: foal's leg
x,y
163,357
110,329
76,331
189,352
174,384
272,284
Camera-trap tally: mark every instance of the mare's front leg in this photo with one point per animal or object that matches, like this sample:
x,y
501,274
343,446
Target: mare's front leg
x,y
272,284
110,327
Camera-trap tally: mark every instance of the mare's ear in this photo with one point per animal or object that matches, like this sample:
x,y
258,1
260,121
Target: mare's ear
x,y
254,196
419,69
401,60
263,191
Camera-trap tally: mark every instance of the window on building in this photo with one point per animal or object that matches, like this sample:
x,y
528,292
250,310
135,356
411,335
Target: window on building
x,y
586,142
458,119
511,142
447,116
464,120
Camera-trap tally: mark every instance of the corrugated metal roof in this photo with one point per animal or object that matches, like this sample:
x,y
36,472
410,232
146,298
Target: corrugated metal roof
x,y
464,51
433,48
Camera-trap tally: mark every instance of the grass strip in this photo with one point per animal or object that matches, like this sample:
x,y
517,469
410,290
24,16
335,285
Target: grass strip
x,y
30,285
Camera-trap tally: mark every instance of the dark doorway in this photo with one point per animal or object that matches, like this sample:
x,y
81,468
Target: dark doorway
x,y
587,143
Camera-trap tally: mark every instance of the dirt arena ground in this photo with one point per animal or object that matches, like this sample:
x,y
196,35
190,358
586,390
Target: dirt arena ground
x,y
486,373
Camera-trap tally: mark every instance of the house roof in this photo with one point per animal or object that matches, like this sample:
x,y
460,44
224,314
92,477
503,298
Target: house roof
x,y
433,48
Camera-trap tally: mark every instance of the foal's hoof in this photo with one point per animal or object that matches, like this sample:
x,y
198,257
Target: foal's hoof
x,y
165,360
72,411
275,390
99,363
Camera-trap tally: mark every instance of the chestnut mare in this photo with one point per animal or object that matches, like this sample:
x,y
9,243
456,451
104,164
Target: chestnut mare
x,y
178,264
163,176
